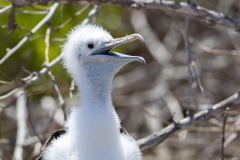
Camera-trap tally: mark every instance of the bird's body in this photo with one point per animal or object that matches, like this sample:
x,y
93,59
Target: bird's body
x,y
93,127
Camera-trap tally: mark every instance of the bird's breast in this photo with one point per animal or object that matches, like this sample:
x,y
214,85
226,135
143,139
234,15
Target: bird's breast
x,y
95,127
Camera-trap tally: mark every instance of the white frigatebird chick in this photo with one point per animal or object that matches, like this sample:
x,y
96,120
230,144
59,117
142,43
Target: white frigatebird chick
x,y
93,130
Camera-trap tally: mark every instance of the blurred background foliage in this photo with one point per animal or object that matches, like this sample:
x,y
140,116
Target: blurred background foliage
x,y
31,55
143,95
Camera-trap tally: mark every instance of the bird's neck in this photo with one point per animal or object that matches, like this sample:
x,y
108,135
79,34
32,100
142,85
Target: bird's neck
x,y
95,121
95,91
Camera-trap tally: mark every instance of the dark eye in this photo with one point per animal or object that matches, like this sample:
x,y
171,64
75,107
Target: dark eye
x,y
90,45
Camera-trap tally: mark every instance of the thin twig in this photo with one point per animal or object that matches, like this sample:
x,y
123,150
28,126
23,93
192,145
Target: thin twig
x,y
148,112
158,137
55,86
6,82
191,61
31,123
12,24
59,96
61,14
39,7
71,18
211,50
31,12
21,126
32,78
37,27
49,122
5,9
92,13
8,94
223,133
47,43
188,55
156,48
230,138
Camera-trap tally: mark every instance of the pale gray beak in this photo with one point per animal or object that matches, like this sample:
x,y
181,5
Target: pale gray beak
x,y
113,56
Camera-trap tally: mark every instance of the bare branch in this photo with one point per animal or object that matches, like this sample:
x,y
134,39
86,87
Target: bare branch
x,y
223,134
8,94
59,96
55,86
37,27
11,25
230,138
154,45
191,61
71,18
188,55
47,43
32,125
6,82
5,9
92,13
148,112
211,50
30,79
31,12
208,16
158,137
21,126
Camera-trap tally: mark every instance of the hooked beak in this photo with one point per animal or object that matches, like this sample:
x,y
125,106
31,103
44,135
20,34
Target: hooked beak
x,y
114,56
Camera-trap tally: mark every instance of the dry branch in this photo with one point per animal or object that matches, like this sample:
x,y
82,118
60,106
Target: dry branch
x,y
21,126
223,134
158,137
31,123
29,80
55,85
5,9
59,95
37,27
71,18
211,50
208,16
35,76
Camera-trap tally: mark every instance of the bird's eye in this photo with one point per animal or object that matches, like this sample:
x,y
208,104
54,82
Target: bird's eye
x,y
90,45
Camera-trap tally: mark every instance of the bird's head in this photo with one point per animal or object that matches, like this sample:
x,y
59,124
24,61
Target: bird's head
x,y
88,49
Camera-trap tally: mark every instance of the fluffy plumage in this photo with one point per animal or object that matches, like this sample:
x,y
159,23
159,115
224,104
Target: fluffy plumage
x,y
93,126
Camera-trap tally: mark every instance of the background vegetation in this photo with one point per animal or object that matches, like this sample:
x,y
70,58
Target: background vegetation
x,y
178,81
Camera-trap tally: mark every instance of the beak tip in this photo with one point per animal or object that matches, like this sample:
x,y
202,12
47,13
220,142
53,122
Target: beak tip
x,y
139,37
142,60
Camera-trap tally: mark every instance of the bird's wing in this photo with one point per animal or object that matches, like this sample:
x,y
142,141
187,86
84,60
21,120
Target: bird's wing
x,y
53,136
122,130
57,134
